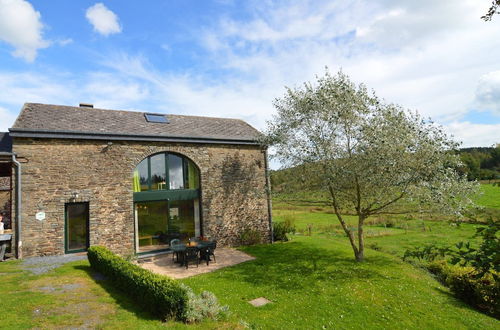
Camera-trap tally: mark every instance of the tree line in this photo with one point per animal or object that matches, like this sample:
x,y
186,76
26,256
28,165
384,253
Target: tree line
x,y
481,163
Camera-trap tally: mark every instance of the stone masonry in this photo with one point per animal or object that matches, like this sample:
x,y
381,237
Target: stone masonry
x,y
233,189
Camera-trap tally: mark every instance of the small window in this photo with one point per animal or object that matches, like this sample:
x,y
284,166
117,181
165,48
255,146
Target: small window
x,y
153,118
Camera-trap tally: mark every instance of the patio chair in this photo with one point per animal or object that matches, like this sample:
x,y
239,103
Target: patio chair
x,y
175,241
208,252
191,254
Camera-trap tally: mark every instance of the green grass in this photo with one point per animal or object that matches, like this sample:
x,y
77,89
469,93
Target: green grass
x,y
46,302
490,197
312,281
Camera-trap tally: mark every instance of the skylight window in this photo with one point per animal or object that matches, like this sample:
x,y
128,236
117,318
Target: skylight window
x,y
154,118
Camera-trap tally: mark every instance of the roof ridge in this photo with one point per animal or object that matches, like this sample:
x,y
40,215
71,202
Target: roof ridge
x,y
126,111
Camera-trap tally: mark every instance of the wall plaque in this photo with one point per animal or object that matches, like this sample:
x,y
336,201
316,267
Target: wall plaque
x,y
40,216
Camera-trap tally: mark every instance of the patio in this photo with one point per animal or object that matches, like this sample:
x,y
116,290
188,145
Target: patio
x,y
164,264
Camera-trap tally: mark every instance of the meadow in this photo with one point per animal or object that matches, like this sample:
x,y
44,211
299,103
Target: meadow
x,y
312,282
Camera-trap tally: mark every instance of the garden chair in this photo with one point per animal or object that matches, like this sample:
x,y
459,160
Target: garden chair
x,y
175,241
208,252
191,254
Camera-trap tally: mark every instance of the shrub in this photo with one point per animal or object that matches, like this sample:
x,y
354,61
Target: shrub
x,y
374,246
280,229
203,306
250,236
486,258
429,252
482,292
163,296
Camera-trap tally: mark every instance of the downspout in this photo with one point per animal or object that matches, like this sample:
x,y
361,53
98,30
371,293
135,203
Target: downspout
x,y
18,207
268,191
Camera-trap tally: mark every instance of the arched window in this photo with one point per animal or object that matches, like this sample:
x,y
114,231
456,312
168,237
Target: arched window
x,y
165,171
166,201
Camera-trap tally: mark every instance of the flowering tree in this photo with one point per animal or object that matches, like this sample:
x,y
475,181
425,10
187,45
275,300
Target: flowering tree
x,y
371,157
495,4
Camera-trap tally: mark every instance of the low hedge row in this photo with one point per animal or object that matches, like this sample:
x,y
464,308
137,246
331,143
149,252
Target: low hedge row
x,y
165,297
483,293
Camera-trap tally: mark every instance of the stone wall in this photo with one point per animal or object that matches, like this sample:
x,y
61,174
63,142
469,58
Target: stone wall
x,y
233,195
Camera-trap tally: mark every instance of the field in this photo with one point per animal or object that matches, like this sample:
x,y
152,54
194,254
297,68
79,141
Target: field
x,y
312,281
391,234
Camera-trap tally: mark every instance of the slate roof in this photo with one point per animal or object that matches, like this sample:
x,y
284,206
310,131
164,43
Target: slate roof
x,y
57,121
5,142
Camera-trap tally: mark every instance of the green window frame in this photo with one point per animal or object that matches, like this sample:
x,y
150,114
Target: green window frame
x,y
191,181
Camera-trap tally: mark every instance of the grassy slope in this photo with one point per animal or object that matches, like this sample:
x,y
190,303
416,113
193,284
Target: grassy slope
x,y
490,197
312,281
405,232
44,302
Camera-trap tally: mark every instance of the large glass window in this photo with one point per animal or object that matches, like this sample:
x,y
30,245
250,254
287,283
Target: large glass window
x,y
181,218
158,222
167,201
166,172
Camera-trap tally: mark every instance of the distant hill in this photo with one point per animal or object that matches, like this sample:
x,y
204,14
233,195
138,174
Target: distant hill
x,y
480,163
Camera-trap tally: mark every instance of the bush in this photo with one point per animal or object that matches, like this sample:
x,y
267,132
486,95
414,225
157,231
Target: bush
x,y
374,246
203,306
482,292
250,237
163,296
280,229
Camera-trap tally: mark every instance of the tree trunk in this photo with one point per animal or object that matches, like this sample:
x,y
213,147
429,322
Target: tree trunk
x,y
348,232
361,239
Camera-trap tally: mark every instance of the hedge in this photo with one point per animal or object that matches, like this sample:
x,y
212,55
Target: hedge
x,y
483,293
163,296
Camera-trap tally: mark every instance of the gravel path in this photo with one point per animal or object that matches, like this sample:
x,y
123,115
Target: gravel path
x,y
41,265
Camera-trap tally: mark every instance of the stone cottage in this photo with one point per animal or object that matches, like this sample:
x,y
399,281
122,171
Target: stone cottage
x,y
131,181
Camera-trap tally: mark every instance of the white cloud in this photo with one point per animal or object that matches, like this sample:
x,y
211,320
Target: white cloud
x,y
110,92
103,20
488,92
7,119
474,135
21,27
425,55
64,42
104,90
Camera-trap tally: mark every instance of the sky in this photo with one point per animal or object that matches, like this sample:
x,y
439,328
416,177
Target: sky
x,y
229,58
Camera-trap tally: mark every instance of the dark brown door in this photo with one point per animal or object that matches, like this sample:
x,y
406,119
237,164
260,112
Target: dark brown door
x,y
76,227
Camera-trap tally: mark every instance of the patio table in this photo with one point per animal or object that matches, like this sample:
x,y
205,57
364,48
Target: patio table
x,y
179,249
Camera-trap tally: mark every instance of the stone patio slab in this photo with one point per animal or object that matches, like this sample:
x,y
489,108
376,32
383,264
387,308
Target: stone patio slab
x,y
261,301
225,257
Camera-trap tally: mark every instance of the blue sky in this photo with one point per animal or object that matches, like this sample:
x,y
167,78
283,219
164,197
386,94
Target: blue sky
x,y
232,58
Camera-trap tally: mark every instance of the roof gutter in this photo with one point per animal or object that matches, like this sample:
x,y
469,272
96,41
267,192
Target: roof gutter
x,y
268,192
54,134
18,207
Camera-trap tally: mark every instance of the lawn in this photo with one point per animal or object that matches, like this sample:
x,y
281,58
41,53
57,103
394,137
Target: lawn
x,y
312,281
490,197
